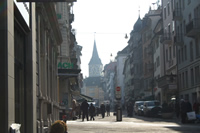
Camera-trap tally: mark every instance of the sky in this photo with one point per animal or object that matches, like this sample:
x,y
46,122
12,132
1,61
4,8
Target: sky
x,y
106,21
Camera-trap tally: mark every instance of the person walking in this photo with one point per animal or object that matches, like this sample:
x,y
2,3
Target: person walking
x,y
58,126
183,111
84,108
108,109
92,111
196,106
177,109
103,109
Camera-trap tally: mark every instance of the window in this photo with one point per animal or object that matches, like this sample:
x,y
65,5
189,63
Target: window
x,y
186,79
182,57
165,12
183,2
189,1
180,85
197,75
185,48
166,55
197,47
190,17
168,9
170,53
192,77
191,51
179,56
183,81
172,5
174,51
184,27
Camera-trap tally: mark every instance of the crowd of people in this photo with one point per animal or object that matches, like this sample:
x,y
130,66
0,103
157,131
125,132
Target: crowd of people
x,y
91,111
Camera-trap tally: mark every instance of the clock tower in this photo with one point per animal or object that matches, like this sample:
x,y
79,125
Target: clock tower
x,y
95,65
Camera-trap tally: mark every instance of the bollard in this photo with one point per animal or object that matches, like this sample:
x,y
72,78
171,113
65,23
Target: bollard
x,y
119,114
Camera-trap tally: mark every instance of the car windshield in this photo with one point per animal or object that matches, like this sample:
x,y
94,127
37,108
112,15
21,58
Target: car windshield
x,y
140,103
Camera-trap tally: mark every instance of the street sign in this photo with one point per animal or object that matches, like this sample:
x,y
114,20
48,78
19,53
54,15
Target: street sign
x,y
118,93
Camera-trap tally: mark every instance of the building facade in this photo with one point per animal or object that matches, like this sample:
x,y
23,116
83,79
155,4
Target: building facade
x,y
18,70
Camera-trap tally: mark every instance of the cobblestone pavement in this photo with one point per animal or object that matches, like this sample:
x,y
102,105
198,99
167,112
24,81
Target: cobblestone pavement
x,y
133,124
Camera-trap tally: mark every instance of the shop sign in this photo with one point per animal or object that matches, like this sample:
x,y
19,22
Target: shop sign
x,y
65,65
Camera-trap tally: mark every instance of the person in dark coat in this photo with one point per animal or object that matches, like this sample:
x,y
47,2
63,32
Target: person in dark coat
x,y
84,108
196,106
108,109
92,111
103,110
183,111
177,109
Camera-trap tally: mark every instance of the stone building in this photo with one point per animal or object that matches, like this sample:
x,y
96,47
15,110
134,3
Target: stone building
x,y
18,82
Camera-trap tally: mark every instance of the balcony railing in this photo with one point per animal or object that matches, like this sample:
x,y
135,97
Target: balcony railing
x,y
178,40
150,66
170,63
177,14
193,27
166,38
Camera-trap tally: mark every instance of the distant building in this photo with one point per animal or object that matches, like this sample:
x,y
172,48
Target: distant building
x,y
95,65
93,85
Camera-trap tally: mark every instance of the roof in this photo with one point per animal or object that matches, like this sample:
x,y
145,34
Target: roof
x,y
95,57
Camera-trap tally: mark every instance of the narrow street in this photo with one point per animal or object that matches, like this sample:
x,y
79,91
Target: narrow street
x,y
131,125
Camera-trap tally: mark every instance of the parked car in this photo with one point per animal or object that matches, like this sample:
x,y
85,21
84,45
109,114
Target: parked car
x,y
151,108
140,110
137,105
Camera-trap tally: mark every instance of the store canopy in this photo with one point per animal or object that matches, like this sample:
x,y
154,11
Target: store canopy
x,y
80,98
68,72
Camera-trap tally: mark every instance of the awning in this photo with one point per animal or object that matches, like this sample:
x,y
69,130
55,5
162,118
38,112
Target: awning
x,y
81,98
68,72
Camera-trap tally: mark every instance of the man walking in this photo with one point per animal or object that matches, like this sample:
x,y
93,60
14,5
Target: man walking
x,y
84,108
92,111
103,109
108,109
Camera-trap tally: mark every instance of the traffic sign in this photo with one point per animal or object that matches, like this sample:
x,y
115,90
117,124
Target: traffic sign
x,y
118,93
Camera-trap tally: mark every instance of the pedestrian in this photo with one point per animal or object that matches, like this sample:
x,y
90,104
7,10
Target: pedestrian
x,y
183,111
108,109
64,118
177,109
103,109
84,108
196,106
92,111
78,110
58,126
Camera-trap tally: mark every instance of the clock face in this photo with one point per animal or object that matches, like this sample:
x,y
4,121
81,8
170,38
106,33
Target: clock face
x,y
94,70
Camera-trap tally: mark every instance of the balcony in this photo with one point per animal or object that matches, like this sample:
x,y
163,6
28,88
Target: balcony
x,y
167,81
71,18
149,50
193,28
178,40
170,63
166,38
150,66
177,15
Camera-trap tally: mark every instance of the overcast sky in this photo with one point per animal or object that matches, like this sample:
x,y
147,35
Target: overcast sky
x,y
110,20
